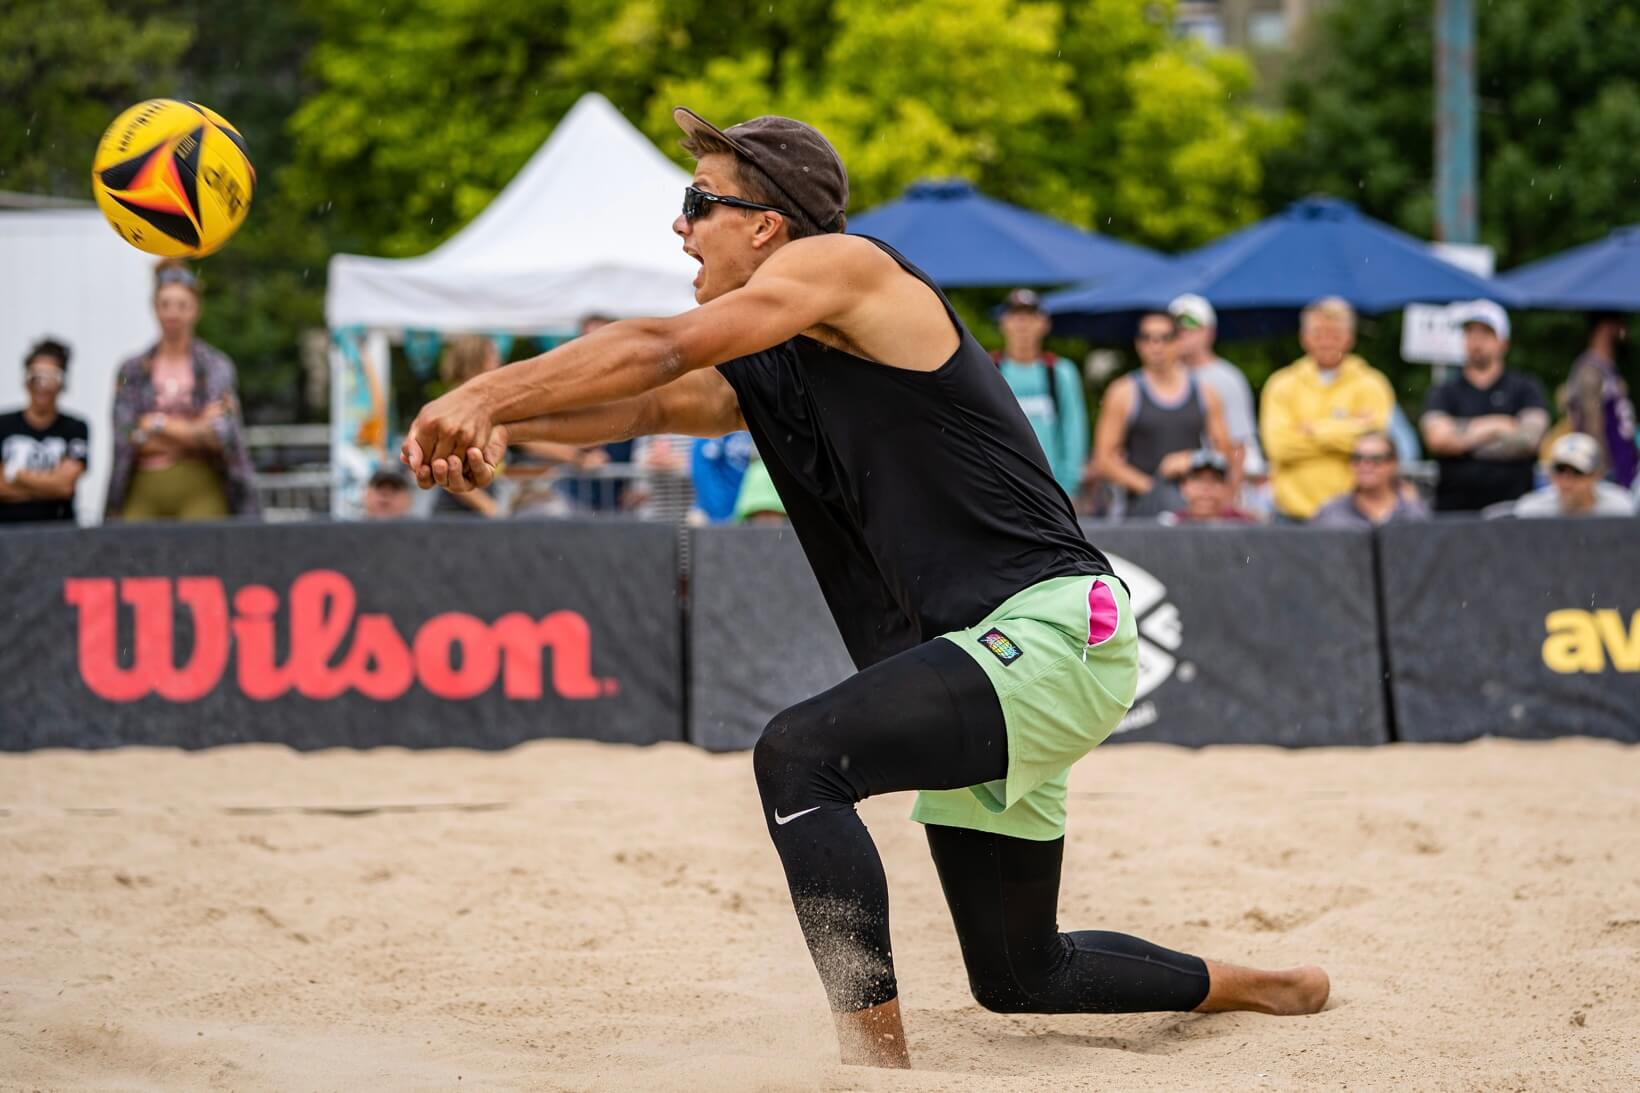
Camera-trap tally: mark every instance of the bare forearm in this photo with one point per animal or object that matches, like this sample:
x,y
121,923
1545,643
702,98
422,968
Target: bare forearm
x,y
621,420
1451,443
1517,444
619,362
480,502
1118,471
192,436
54,485
201,436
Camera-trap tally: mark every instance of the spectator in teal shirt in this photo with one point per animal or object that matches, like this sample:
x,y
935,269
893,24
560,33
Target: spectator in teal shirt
x,y
1048,387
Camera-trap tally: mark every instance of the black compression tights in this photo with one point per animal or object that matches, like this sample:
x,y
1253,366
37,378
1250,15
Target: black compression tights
x,y
929,719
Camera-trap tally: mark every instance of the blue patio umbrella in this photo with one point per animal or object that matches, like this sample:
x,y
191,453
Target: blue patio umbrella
x,y
962,238
1257,279
1599,276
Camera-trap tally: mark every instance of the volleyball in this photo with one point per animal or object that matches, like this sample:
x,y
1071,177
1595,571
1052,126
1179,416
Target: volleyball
x,y
173,178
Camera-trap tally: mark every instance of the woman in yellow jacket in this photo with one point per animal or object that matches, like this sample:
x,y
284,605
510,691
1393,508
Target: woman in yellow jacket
x,y
1311,411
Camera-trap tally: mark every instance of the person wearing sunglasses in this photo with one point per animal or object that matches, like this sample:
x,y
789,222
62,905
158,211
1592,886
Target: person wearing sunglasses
x,y
995,645
1153,421
43,450
1576,486
1378,495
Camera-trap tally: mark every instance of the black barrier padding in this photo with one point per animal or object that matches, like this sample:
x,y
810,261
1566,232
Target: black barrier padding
x,y
1251,635
461,635
1266,636
760,636
1524,628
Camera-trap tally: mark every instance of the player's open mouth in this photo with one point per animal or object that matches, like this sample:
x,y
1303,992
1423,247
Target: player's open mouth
x,y
700,272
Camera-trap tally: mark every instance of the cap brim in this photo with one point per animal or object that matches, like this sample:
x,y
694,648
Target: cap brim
x,y
692,123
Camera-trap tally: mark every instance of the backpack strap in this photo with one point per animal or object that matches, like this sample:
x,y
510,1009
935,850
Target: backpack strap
x,y
1051,362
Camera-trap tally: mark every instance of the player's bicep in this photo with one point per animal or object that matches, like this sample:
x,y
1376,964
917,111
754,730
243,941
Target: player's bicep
x,y
807,284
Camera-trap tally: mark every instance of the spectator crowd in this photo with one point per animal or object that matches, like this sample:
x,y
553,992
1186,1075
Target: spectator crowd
x,y
1180,439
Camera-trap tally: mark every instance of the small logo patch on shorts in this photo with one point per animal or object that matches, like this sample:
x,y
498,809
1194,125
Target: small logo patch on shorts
x,y
1001,646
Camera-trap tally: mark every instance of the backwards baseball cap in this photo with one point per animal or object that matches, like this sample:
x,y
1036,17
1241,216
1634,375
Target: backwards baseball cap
x,y
1022,299
1488,314
802,164
1577,450
1193,312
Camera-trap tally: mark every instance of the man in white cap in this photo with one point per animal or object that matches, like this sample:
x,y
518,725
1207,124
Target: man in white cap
x,y
1484,425
1575,487
1197,327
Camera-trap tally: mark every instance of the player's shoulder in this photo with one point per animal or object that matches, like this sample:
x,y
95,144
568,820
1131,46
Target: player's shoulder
x,y
826,255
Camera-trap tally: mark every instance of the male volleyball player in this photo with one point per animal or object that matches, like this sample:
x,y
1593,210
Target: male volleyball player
x,y
994,644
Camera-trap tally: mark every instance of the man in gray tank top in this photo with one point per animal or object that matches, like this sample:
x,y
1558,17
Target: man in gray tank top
x,y
1153,421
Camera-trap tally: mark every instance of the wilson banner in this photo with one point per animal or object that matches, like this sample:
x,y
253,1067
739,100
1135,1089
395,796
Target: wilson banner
x,y
421,635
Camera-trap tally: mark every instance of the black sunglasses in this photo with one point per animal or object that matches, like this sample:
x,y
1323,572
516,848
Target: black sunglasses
x,y
697,203
1567,468
1362,457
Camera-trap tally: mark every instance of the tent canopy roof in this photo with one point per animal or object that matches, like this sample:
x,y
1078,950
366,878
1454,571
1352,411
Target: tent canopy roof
x,y
960,237
583,228
1259,277
1599,276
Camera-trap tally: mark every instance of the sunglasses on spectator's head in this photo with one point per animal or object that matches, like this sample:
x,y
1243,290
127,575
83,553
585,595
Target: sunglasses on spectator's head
x,y
1370,457
697,203
176,275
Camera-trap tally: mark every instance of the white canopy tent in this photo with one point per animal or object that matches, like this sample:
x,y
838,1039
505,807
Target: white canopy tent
x,y
583,228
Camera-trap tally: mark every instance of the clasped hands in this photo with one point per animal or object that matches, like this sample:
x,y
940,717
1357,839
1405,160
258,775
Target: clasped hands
x,y
454,443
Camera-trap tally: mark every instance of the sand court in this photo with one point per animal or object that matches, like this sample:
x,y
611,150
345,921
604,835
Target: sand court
x,y
574,916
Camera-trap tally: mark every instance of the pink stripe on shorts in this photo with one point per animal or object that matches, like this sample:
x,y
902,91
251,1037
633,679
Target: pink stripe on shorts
x,y
1102,613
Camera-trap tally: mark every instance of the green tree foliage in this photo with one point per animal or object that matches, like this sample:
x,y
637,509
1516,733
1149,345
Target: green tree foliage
x,y
1559,130
383,126
247,63
1559,118
67,69
427,109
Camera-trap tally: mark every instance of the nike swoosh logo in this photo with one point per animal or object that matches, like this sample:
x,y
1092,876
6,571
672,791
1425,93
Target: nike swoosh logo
x,y
784,820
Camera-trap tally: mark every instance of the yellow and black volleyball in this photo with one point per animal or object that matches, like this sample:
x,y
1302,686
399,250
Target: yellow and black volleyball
x,y
173,178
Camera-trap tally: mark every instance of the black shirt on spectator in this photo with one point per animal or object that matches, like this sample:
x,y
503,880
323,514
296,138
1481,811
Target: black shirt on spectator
x,y
23,447
1468,484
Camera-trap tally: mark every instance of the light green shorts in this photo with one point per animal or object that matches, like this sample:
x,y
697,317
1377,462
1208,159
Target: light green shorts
x,y
1063,656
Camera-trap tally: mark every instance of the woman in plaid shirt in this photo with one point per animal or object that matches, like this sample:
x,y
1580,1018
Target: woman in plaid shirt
x,y
178,452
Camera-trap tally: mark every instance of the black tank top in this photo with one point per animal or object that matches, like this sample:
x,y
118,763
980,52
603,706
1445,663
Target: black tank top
x,y
1157,429
922,499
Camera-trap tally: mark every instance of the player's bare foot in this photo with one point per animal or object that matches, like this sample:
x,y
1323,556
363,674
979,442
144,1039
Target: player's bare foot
x,y
1286,993
873,1037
